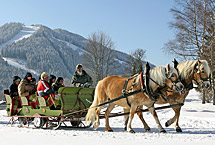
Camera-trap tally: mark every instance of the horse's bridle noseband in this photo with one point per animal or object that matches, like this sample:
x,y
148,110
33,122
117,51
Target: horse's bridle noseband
x,y
200,76
169,76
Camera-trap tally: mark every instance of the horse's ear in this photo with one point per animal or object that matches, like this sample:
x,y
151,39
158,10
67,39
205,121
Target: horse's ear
x,y
175,63
198,61
197,64
147,65
168,68
147,68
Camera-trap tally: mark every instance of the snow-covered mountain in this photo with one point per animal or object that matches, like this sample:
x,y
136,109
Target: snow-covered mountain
x,y
25,32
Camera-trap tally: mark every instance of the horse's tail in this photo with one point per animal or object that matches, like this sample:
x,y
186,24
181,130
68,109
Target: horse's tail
x,y
91,114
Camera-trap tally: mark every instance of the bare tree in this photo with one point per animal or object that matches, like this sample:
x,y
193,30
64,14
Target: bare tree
x,y
195,32
99,55
135,61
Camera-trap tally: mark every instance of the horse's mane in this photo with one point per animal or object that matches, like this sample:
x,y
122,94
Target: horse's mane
x,y
159,74
186,68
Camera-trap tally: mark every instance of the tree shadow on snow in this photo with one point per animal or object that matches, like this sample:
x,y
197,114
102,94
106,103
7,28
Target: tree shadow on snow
x,y
199,131
117,129
3,122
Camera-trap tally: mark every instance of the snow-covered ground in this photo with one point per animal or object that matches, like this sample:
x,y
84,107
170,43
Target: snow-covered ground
x,y
197,121
26,32
19,64
1,102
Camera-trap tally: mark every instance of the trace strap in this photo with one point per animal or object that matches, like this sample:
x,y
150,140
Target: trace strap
x,y
122,96
124,90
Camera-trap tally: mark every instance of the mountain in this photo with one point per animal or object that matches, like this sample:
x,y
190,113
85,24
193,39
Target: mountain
x,y
37,48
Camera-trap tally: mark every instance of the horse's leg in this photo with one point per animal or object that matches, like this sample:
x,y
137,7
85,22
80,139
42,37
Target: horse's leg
x,y
140,115
175,119
177,127
153,112
107,113
101,98
126,117
131,116
97,122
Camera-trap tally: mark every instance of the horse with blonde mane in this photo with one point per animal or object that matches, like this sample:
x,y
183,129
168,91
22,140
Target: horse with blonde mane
x,y
189,71
111,87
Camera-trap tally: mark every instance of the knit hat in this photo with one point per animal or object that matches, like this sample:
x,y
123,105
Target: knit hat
x,y
79,66
59,79
33,79
16,79
28,75
44,74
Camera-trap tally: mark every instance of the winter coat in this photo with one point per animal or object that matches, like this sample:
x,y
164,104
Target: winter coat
x,y
50,80
14,90
83,80
43,89
25,88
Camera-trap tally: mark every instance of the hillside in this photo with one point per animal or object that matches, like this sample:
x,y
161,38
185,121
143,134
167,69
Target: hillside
x,y
37,48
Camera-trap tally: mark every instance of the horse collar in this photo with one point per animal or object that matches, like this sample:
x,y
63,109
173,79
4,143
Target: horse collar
x,y
145,86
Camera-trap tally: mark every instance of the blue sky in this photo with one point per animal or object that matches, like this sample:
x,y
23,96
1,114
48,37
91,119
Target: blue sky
x,y
131,24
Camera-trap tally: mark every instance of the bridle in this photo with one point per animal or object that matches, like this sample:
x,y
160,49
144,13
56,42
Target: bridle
x,y
168,76
198,71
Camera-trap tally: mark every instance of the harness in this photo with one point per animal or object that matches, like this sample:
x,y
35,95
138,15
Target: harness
x,y
124,95
200,76
190,86
187,87
145,88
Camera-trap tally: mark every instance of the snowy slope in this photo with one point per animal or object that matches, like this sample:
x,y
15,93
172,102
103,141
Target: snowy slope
x,y
19,64
197,121
26,32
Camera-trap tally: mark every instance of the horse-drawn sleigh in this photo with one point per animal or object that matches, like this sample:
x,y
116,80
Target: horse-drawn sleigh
x,y
159,85
67,101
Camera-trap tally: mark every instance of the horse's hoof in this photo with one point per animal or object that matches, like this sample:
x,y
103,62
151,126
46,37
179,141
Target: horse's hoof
x,y
166,124
178,129
131,131
95,127
163,131
125,128
148,129
110,130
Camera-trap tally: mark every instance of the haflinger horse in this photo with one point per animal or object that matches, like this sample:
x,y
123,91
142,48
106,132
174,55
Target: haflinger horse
x,y
111,87
196,71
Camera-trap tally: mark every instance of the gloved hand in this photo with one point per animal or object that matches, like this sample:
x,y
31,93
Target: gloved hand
x,y
49,91
86,85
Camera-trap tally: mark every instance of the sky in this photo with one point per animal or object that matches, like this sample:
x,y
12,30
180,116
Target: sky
x,y
131,24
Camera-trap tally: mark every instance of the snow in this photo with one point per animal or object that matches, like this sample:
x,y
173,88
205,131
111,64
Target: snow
x,y
120,61
18,63
26,32
74,47
1,101
196,120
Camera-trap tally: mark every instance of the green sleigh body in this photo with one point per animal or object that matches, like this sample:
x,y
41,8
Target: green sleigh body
x,y
71,105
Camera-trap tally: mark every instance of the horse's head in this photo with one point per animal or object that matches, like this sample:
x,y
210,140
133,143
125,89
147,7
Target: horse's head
x,y
202,73
172,79
166,77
